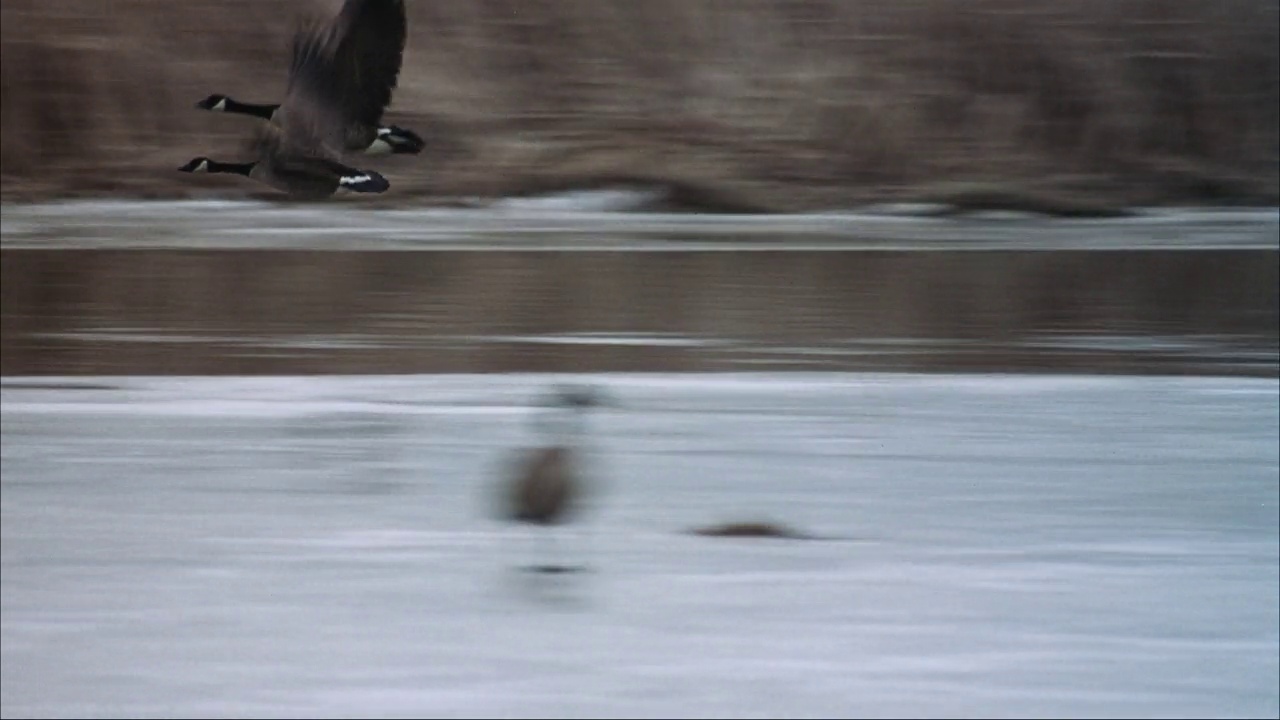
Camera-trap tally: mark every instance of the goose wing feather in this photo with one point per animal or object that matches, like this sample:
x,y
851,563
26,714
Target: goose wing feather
x,y
343,73
371,52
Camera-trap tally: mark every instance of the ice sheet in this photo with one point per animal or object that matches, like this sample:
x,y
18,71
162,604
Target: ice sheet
x,y
996,546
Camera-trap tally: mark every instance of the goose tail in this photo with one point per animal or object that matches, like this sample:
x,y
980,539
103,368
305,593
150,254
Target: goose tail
x,y
397,140
364,181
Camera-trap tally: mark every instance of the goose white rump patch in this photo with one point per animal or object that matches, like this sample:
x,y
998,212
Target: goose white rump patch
x,y
380,145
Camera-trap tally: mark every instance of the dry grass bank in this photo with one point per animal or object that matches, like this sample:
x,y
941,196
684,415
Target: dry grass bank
x,y
779,104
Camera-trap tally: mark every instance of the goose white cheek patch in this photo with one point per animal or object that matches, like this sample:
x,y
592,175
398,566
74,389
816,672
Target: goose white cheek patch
x,y
355,179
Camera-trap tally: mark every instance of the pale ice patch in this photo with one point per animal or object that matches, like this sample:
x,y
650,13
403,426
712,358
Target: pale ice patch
x,y
600,220
605,200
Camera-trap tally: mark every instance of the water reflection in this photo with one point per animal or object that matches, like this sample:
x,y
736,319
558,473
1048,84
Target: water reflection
x,y
303,311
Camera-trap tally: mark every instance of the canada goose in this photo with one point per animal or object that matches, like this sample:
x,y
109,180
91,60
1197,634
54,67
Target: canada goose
x,y
367,40
340,81
300,175
545,485
368,139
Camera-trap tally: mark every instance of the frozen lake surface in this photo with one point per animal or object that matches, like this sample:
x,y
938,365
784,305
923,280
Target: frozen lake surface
x,y
999,546
572,223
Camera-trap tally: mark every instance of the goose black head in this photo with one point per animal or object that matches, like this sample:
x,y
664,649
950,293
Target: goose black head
x,y
215,102
200,164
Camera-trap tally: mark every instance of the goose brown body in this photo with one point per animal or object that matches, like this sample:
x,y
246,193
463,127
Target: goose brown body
x,y
546,484
546,487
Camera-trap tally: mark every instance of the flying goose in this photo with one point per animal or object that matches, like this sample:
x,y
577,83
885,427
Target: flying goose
x,y
361,138
545,485
372,48
296,173
340,81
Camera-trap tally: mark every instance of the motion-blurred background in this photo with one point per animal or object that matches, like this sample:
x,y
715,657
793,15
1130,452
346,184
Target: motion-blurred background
x,y
751,104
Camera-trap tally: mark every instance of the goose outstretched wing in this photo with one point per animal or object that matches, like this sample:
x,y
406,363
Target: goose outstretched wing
x,y
370,54
344,73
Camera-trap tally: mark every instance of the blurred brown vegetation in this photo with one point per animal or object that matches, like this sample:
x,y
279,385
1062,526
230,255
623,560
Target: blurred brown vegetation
x,y
777,104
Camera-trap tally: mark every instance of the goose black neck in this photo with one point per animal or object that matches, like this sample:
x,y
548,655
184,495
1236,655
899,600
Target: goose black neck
x,y
234,168
263,111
